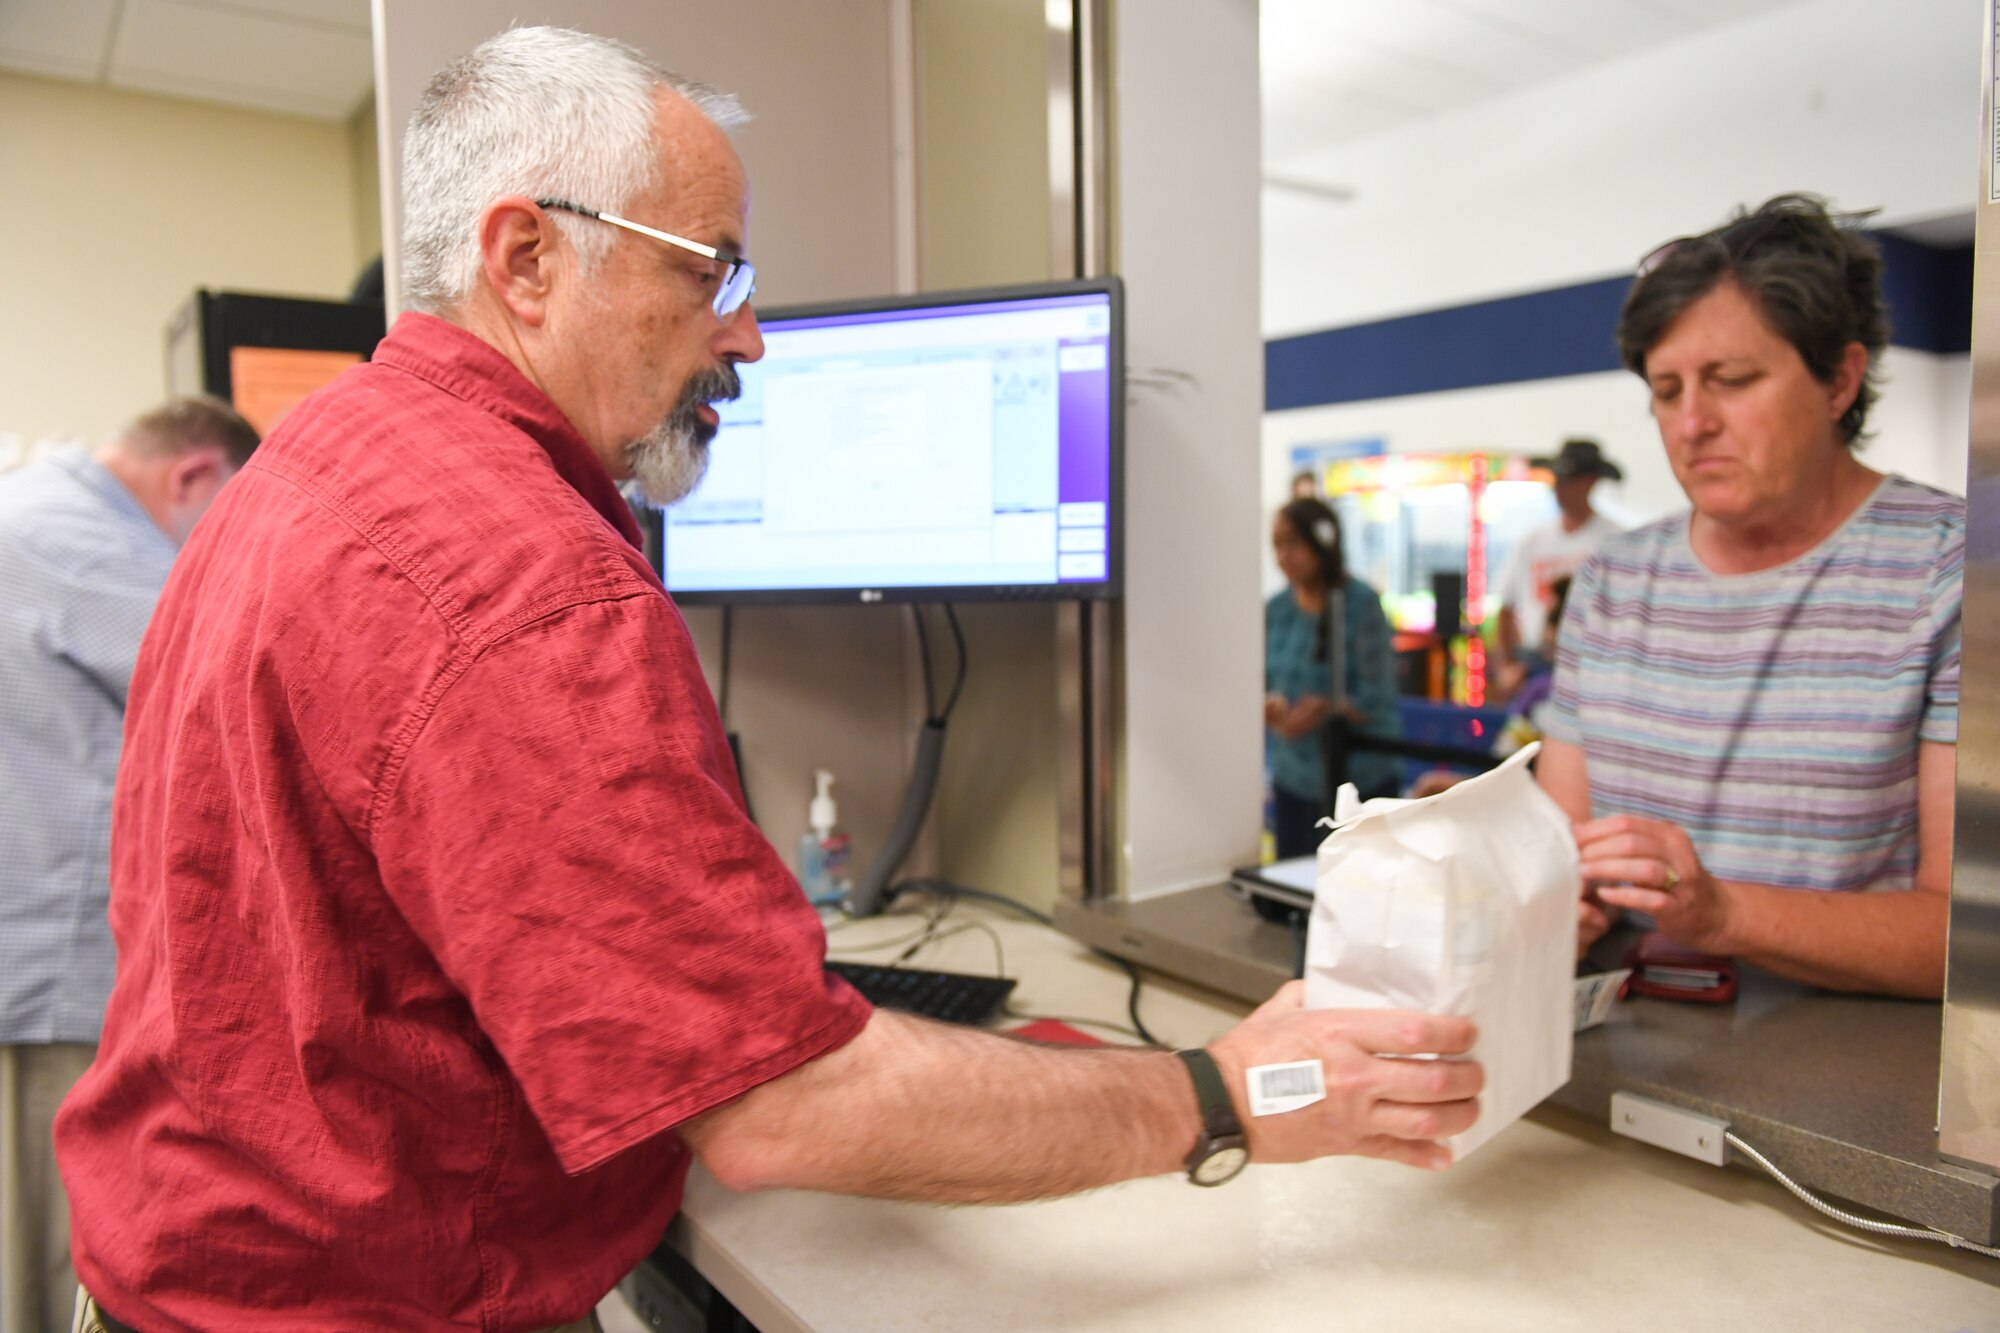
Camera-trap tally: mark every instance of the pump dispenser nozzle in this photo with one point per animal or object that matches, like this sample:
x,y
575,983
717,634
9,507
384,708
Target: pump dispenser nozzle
x,y
821,813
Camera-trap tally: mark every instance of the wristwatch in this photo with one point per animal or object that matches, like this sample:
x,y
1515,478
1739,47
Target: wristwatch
x,y
1221,1152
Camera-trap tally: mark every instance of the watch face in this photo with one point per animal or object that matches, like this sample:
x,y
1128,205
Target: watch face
x,y
1220,1165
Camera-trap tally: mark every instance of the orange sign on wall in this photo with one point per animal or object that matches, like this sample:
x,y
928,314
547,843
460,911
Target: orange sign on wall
x,y
267,382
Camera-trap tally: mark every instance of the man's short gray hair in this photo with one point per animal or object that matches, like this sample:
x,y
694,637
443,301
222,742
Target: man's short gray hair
x,y
183,425
541,112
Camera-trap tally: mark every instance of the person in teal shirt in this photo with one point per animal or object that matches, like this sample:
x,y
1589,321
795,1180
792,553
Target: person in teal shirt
x,y
1314,676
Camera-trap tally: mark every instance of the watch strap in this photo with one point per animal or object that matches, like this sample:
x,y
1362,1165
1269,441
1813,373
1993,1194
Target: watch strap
x,y
1219,1126
1218,1113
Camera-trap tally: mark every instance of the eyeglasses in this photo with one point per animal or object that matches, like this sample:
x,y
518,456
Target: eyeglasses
x,y
737,284
1735,240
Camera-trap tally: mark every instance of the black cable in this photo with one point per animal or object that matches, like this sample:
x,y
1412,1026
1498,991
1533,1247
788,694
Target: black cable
x,y
992,935
742,783
958,637
924,655
1132,1000
722,711
946,889
722,685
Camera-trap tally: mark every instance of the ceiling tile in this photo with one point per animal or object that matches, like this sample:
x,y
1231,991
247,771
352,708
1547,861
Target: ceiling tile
x,y
1714,13
281,101
65,37
1326,118
1384,74
1596,29
1338,70
1444,34
240,58
350,14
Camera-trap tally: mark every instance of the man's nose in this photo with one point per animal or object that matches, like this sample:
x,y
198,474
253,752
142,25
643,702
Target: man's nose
x,y
740,339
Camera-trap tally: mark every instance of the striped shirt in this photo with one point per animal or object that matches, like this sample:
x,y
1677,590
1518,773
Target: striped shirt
x,y
81,565
1774,716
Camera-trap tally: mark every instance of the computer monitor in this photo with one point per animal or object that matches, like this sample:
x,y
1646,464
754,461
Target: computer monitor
x,y
939,447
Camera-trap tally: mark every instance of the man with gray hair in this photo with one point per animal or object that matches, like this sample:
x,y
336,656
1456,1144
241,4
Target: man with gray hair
x,y
445,943
86,540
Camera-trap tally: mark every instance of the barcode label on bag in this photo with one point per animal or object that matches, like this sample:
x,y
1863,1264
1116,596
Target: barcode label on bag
x,y
1275,1089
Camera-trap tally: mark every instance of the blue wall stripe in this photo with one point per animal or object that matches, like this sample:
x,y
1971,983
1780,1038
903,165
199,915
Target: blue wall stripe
x,y
1930,295
1564,331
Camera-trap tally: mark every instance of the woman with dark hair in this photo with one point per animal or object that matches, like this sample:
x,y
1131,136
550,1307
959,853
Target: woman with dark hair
x,y
1756,701
1329,676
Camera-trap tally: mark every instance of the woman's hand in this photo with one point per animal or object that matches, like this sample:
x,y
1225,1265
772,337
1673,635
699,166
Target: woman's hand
x,y
1307,714
1593,918
1650,866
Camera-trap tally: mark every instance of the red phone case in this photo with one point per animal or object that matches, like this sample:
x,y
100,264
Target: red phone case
x,y
1665,970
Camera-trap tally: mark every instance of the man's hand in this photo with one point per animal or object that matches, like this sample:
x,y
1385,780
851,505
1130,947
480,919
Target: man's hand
x,y
1275,708
1651,866
1374,1107
1307,714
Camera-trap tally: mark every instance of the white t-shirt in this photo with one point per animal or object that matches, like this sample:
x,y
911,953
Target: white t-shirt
x,y
1545,555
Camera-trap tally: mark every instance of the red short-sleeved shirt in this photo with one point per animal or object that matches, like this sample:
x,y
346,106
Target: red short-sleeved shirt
x,y
436,909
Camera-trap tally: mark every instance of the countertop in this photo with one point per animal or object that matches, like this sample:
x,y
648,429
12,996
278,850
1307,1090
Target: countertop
x,y
1555,1224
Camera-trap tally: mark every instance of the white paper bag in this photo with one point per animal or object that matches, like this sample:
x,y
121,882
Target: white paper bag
x,y
1463,903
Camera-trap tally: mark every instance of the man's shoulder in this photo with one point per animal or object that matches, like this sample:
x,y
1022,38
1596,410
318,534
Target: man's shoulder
x,y
460,503
50,521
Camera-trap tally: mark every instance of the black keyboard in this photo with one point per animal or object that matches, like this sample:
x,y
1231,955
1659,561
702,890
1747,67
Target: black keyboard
x,y
950,997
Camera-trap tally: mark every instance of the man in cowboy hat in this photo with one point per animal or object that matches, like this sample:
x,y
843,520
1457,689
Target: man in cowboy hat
x,y
1550,552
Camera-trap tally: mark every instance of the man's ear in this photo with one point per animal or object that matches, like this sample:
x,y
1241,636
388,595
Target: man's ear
x,y
196,474
517,255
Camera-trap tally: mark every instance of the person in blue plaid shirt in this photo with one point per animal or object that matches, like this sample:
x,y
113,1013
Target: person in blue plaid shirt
x,y
86,540
1327,658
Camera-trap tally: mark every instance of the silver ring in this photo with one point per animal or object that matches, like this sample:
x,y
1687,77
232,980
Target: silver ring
x,y
1672,881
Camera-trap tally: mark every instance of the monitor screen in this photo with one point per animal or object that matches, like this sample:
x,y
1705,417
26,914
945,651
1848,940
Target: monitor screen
x,y
916,448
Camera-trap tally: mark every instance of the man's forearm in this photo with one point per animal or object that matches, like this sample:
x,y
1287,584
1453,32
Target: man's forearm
x,y
923,1111
1890,942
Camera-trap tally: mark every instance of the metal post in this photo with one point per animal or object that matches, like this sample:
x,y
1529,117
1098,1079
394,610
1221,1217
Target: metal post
x,y
1969,1073
1088,639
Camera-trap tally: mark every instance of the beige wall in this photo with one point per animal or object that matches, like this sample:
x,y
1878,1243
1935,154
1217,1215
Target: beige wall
x,y
982,90
119,205
983,201
364,155
821,147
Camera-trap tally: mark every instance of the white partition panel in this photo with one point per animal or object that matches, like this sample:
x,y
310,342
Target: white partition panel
x,y
1184,135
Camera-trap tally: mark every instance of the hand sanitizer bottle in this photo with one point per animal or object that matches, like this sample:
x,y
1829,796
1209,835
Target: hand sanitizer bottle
x,y
823,847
